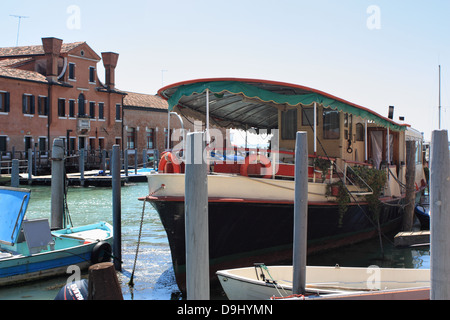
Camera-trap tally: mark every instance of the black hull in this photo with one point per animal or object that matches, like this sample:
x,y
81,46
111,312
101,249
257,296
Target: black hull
x,y
243,233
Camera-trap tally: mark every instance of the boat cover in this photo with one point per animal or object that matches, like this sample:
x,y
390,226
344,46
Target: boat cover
x,y
13,205
250,102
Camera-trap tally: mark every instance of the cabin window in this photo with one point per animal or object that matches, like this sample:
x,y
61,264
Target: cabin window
x,y
308,116
331,126
288,124
359,132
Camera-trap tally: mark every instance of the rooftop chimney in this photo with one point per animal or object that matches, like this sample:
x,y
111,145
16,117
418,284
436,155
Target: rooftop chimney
x,y
52,49
110,63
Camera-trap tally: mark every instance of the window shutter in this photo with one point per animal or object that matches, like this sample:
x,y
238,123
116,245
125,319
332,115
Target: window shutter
x,y
32,105
24,104
7,102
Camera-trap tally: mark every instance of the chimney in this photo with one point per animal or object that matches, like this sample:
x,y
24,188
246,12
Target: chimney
x,y
52,49
110,63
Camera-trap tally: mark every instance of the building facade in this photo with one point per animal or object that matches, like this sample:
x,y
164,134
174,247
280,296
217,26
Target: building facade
x,y
53,91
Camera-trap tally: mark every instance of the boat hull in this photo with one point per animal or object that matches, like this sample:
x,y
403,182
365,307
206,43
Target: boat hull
x,y
243,232
71,249
335,283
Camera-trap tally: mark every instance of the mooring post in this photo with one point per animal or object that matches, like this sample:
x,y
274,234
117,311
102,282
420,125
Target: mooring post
x,y
440,216
30,166
144,158
81,166
410,195
15,178
196,219
300,214
57,187
125,161
103,283
117,209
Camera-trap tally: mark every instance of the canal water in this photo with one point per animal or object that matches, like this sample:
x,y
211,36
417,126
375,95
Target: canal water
x,y
153,277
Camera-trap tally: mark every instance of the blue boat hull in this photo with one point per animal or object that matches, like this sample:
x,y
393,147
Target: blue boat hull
x,y
68,251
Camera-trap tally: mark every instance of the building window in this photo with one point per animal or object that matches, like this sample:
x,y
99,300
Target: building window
x,y
28,104
92,74
4,101
61,107
308,116
150,138
81,111
3,145
92,110
118,117
170,139
101,107
72,108
42,106
42,144
359,132
288,124
71,71
131,138
331,124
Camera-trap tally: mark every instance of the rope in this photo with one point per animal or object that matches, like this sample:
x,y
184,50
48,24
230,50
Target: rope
x,y
131,283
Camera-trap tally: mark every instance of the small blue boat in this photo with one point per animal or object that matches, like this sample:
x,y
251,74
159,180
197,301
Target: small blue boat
x,y
29,250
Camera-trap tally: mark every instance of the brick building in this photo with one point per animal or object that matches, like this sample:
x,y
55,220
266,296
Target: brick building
x,y
52,90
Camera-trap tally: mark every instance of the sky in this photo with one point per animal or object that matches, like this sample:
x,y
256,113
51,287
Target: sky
x,y
373,53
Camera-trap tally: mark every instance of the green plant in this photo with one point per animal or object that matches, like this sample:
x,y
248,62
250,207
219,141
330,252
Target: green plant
x,y
323,165
376,180
339,190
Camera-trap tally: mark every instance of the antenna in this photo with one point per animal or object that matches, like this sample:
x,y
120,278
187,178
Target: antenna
x,y
439,97
18,27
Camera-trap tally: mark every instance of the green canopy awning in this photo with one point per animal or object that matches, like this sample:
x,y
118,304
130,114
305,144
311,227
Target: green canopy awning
x,y
255,103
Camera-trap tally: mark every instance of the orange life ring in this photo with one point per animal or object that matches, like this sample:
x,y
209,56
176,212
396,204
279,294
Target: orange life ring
x,y
257,159
167,164
417,187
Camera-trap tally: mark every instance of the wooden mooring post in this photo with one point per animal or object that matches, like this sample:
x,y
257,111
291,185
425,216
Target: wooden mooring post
x,y
117,207
196,219
300,214
103,282
410,195
440,216
57,187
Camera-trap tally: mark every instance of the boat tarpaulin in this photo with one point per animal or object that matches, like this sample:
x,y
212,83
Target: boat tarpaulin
x,y
230,98
14,203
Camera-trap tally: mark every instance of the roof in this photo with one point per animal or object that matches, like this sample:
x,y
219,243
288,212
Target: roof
x,y
144,100
22,74
244,103
34,50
